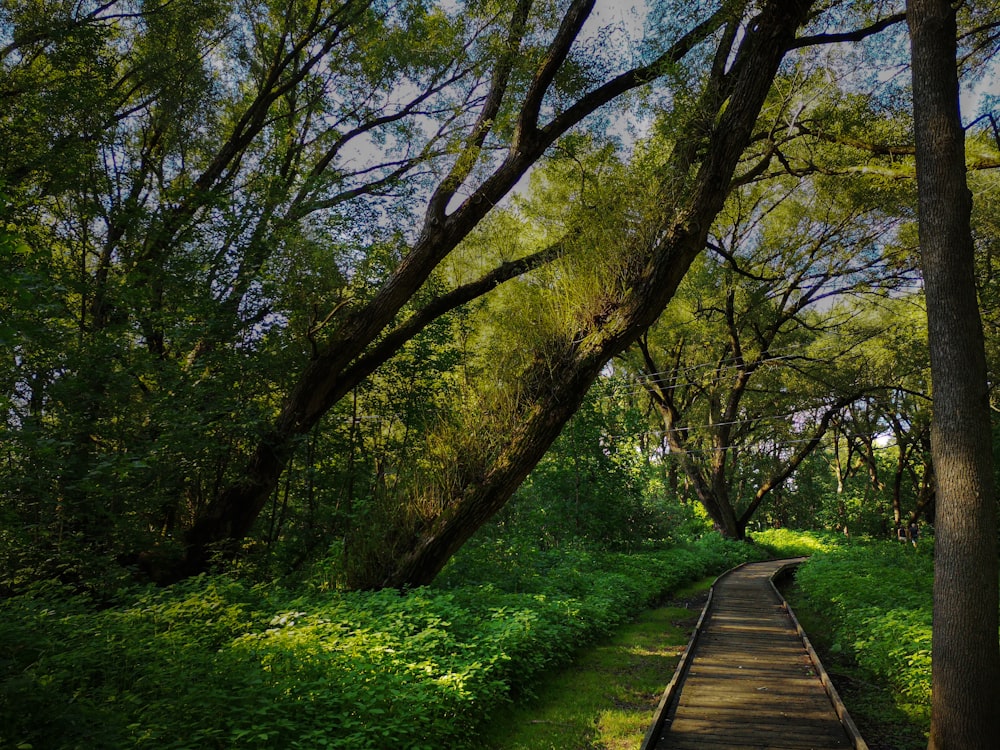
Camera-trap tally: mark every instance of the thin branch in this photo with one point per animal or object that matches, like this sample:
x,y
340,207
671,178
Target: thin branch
x,y
445,191
394,340
848,36
569,29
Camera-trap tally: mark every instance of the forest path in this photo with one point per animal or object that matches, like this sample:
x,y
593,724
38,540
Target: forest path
x,y
750,679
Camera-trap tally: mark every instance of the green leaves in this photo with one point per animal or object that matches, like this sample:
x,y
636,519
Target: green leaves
x,y
877,599
216,663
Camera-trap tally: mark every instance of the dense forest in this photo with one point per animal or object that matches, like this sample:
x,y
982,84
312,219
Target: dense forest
x,y
333,290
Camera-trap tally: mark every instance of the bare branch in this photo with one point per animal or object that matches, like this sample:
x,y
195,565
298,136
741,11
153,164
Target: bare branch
x,y
849,36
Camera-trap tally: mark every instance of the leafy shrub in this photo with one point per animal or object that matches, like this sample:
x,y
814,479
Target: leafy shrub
x,y
216,663
877,598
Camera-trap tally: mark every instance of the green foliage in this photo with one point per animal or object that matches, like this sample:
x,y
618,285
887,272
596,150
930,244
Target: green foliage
x,y
593,485
607,696
877,599
217,663
190,193
738,369
196,198
796,543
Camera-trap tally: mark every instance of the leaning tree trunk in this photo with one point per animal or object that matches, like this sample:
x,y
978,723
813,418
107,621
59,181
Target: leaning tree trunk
x,y
557,389
750,74
965,710
343,359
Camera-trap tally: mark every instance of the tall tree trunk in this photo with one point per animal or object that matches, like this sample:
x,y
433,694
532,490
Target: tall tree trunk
x,y
966,662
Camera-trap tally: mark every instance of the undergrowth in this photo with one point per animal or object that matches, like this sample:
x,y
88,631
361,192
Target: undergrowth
x,y
792,543
876,601
220,663
607,696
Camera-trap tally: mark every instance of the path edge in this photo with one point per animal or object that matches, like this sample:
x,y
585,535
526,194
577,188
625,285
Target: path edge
x,y
838,704
653,733
655,730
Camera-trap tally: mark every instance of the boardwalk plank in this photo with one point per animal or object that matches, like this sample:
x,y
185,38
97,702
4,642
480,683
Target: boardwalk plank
x,y
750,683
775,733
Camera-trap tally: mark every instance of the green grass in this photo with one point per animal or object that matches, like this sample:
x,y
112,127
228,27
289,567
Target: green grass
x,y
606,698
795,543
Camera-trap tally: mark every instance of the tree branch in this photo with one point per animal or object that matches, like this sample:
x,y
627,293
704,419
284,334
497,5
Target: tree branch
x,y
462,168
849,36
779,478
394,340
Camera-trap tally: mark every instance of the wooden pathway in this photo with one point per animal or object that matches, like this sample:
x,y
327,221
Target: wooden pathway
x,y
750,679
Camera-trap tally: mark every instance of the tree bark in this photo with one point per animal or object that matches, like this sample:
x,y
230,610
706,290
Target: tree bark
x,y
966,652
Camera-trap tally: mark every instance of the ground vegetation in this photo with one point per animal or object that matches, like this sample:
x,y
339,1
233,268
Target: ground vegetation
x,y
218,662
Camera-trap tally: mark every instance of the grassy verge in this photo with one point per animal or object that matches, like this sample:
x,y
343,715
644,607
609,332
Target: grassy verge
x,y
793,543
607,696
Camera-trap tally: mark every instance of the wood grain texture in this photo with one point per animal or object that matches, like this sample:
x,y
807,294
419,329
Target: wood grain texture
x,y
750,682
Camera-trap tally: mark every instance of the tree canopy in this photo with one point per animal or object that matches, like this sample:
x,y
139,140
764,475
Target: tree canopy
x,y
310,278
349,282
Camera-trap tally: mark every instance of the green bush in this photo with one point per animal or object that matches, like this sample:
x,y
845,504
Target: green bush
x,y
877,598
216,663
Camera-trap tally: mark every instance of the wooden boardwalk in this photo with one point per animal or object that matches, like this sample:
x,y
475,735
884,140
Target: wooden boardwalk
x,y
750,679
